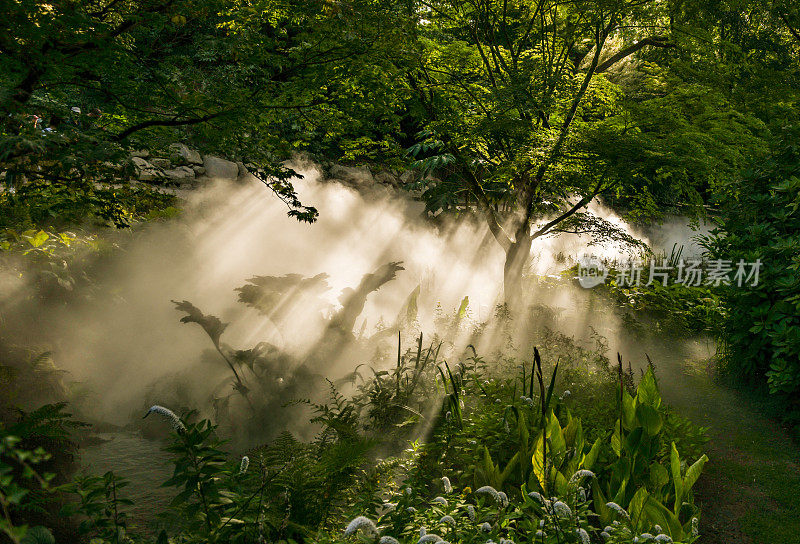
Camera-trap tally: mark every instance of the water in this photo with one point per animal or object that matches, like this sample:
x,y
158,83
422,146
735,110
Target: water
x,y
143,462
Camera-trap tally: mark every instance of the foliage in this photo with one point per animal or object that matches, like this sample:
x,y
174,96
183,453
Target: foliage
x,y
28,472
760,220
480,438
83,85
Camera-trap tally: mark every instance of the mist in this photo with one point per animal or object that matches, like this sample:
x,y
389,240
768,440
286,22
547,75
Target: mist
x,y
123,346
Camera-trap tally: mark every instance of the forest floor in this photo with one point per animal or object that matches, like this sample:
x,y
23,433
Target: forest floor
x,y
750,488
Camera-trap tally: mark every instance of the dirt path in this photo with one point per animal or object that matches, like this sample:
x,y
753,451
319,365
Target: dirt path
x,y
750,489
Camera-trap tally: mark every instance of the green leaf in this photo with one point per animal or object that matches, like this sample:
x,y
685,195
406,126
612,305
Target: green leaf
x,y
659,476
39,238
647,392
636,507
462,310
649,418
591,457
628,411
677,478
693,473
656,513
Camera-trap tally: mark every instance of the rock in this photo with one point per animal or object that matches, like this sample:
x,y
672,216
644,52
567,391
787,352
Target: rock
x,y
180,174
387,178
140,153
181,154
161,163
220,168
144,170
199,170
243,171
354,175
408,176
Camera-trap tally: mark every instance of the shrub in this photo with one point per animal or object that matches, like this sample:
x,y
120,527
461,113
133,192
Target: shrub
x,y
760,219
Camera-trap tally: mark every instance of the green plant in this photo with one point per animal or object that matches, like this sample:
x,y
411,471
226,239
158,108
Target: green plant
x,y
21,487
760,221
636,477
100,505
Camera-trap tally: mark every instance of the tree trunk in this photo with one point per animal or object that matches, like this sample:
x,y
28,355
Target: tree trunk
x,y
516,259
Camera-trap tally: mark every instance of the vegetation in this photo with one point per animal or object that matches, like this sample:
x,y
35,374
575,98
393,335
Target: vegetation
x,y
761,222
493,465
522,114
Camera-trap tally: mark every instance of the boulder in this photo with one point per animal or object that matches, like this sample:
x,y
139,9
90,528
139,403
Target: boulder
x,y
408,176
220,168
181,174
160,162
140,153
354,175
387,178
181,154
199,170
243,171
144,170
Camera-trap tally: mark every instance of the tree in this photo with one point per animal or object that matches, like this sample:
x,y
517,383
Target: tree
x,y
234,78
502,84
534,109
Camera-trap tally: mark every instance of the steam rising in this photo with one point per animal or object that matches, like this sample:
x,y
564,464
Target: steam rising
x,y
125,338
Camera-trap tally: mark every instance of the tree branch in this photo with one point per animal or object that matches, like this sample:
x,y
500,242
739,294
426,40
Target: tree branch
x,y
655,41
577,206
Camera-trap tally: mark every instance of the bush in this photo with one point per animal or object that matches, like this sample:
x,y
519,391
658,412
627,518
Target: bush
x,y
760,219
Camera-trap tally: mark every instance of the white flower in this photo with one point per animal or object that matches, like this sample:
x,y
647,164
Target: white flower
x,y
422,531
411,509
447,519
561,509
173,419
658,529
695,532
389,506
489,490
583,535
647,536
581,474
485,527
605,535
360,522
244,464
541,524
429,538
408,491
536,495
540,534
440,500
665,539
619,510
567,393
388,540
446,484
471,512
448,415
502,498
